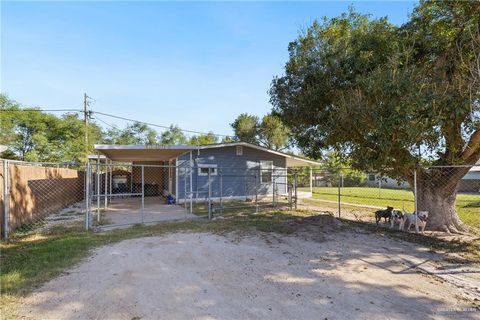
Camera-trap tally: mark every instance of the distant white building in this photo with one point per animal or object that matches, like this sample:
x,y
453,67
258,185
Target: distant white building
x,y
469,183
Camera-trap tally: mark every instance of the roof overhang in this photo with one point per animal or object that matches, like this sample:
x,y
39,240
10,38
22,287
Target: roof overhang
x,y
128,153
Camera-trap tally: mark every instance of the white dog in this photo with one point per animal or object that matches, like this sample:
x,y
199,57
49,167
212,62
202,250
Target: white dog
x,y
421,219
397,217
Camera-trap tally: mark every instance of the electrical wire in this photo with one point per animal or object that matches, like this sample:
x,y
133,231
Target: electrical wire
x,y
117,117
157,125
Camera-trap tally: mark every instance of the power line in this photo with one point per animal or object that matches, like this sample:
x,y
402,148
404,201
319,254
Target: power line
x,y
42,110
157,125
90,112
106,123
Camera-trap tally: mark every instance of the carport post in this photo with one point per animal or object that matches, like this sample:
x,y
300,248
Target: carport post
x,y
143,193
6,199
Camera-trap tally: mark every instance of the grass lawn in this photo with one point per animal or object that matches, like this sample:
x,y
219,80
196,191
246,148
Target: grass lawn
x,y
468,205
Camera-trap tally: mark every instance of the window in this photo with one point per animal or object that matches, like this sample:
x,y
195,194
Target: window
x,y
266,168
204,168
239,151
371,177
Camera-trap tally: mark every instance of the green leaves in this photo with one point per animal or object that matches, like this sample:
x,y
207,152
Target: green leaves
x,y
270,132
378,93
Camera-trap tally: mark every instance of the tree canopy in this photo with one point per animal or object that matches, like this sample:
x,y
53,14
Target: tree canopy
x,y
389,98
34,135
270,132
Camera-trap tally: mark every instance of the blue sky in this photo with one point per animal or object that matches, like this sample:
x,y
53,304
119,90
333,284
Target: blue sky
x,y
197,65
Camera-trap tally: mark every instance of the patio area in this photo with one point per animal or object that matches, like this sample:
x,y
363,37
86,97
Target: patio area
x,y
122,211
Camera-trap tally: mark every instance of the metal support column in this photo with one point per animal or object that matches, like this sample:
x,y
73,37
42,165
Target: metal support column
x,y
6,198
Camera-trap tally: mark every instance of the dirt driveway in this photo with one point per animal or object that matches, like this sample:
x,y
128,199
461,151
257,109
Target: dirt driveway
x,y
340,275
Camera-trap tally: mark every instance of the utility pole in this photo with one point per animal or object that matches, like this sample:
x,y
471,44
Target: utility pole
x,y
86,115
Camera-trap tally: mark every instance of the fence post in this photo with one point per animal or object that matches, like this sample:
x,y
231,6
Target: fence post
x,y
296,188
221,191
209,202
415,198
191,183
273,193
106,183
87,196
290,187
256,191
6,199
143,193
339,192
311,183
185,188
98,188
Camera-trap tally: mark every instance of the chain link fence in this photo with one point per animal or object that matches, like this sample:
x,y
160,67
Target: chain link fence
x,y
357,195
102,194
42,196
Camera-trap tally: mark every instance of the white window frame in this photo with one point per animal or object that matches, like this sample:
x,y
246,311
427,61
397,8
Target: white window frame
x,y
211,166
266,164
239,150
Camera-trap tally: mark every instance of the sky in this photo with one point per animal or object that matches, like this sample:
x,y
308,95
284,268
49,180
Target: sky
x,y
194,64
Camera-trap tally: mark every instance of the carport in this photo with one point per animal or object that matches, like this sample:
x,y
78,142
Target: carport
x,y
135,184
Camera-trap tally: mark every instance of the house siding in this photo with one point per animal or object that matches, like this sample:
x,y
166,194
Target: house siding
x,y
239,173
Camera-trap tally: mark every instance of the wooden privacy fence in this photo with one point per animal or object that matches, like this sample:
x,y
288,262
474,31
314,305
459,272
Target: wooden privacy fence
x,y
32,192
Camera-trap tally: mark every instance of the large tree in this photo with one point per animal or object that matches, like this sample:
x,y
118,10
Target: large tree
x,y
391,99
270,132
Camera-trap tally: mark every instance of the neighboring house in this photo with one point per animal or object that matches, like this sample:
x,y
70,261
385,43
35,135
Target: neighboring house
x,y
469,183
375,180
237,170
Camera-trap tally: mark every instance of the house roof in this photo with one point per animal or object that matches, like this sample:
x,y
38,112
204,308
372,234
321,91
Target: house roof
x,y
128,153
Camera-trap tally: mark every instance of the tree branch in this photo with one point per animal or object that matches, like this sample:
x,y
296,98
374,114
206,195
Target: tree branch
x,y
472,147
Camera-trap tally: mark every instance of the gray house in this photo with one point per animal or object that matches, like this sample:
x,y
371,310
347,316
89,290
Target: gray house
x,y
235,170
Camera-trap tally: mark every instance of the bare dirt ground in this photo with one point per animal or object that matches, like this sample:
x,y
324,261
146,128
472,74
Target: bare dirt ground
x,y
312,274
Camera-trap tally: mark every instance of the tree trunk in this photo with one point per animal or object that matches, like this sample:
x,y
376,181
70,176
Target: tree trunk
x,y
438,198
